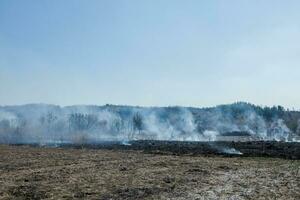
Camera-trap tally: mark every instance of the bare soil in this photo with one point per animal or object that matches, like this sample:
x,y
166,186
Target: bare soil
x,y
67,173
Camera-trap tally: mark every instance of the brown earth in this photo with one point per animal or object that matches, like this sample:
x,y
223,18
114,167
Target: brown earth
x,y
66,173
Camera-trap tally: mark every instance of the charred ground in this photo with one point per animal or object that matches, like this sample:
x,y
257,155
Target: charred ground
x,y
287,150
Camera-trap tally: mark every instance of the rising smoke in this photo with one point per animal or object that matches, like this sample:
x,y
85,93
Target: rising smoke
x,y
46,124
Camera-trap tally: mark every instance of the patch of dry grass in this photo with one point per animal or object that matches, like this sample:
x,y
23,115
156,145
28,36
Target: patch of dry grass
x,y
53,173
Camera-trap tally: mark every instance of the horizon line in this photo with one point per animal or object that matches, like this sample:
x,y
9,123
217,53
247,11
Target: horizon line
x,y
154,106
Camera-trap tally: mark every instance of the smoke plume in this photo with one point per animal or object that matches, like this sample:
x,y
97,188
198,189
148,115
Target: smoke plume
x,y
46,124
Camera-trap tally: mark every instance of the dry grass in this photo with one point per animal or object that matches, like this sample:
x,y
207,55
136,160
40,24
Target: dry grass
x,y
52,173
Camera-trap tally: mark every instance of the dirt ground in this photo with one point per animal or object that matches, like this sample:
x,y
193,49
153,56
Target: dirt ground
x,y
56,173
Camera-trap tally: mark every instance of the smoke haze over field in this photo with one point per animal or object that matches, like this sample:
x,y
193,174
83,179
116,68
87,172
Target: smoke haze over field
x,y
41,123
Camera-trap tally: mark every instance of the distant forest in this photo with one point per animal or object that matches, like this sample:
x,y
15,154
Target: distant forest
x,y
49,123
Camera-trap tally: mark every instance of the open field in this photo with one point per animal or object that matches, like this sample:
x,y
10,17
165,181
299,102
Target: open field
x,y
68,173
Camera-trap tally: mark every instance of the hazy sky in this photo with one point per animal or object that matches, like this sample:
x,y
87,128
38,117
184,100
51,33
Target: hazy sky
x,y
150,52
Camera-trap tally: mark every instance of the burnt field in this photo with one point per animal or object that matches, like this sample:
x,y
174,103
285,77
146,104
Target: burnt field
x,y
254,148
151,170
287,150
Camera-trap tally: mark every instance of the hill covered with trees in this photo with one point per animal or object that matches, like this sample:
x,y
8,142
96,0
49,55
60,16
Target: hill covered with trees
x,y
41,123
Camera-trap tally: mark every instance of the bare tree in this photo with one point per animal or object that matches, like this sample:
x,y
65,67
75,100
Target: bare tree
x,y
137,123
81,122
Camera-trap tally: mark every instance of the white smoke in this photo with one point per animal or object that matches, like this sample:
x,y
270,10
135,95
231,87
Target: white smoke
x,y
279,131
231,151
7,116
51,124
210,135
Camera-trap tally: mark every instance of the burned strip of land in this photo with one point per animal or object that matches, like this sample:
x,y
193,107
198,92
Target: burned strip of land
x,y
287,150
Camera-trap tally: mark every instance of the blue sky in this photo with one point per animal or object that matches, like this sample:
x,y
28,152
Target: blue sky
x,y
150,52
